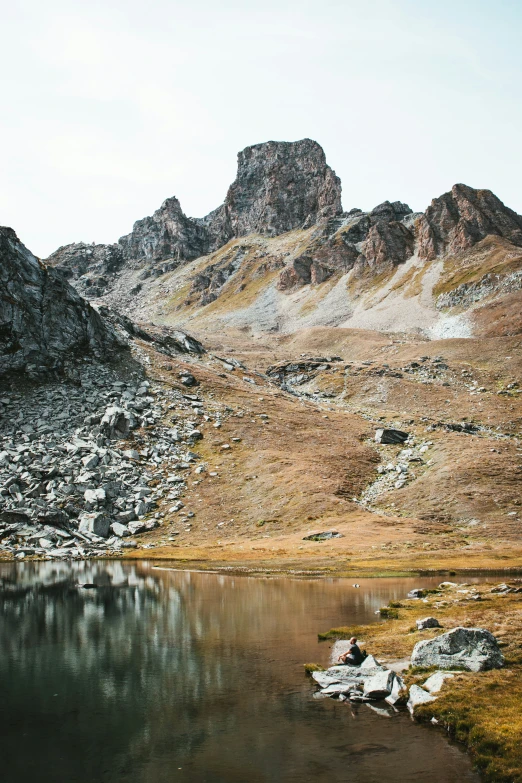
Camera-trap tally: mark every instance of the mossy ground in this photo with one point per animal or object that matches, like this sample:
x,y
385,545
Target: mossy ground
x,y
482,710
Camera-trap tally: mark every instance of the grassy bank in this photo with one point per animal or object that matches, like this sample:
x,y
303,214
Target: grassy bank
x,y
482,710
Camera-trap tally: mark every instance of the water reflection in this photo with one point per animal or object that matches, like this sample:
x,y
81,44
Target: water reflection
x,y
160,676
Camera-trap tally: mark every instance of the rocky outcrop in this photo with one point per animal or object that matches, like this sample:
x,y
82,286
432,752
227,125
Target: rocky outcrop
x,y
458,220
375,241
169,233
93,265
43,320
387,245
280,186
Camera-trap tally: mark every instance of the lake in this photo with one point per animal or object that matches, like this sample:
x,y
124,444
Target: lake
x,y
159,676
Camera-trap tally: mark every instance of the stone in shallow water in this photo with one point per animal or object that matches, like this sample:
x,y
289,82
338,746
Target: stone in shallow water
x,y
397,686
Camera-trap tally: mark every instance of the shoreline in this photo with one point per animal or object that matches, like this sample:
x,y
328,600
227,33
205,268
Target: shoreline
x,y
478,709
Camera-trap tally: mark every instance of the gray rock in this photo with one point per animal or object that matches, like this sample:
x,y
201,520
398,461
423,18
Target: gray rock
x,y
97,524
187,379
119,530
428,622
418,696
474,649
44,320
136,527
339,687
435,682
117,422
141,508
379,685
416,593
324,536
370,663
90,461
397,687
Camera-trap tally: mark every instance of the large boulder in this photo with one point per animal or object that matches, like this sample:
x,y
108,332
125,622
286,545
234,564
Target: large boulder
x,y
98,524
473,649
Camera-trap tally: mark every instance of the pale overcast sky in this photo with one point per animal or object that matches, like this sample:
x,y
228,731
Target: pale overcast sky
x,y
111,106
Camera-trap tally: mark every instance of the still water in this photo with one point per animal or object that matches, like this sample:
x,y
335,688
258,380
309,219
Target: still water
x,y
161,676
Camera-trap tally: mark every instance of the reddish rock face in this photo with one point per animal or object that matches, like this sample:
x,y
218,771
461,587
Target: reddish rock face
x,y
387,244
458,220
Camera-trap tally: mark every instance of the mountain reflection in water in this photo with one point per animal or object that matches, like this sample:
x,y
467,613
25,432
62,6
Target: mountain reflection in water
x,y
158,675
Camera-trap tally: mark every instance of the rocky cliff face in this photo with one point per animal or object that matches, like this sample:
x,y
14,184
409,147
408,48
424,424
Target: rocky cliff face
x,y
459,219
375,240
282,221
42,318
169,233
281,186
91,266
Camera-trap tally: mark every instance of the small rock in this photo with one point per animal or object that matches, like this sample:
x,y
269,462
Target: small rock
x,y
434,683
418,696
428,622
390,436
323,536
380,685
119,530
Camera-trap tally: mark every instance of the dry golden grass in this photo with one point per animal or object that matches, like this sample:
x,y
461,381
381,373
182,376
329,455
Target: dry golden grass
x,y
493,255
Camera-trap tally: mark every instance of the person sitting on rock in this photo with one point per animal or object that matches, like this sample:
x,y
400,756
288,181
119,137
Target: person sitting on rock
x,y
353,656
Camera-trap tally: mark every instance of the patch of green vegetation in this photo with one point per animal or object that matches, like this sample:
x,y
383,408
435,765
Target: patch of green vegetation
x,y
389,613
313,667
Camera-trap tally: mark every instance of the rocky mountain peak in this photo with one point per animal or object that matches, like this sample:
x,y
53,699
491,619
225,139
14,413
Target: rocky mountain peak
x,y
280,186
169,233
459,219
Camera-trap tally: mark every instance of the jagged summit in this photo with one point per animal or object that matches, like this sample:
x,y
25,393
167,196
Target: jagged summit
x,y
459,219
280,186
281,229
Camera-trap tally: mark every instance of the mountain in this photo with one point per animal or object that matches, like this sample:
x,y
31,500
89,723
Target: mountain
x,y
317,328
279,186
280,254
